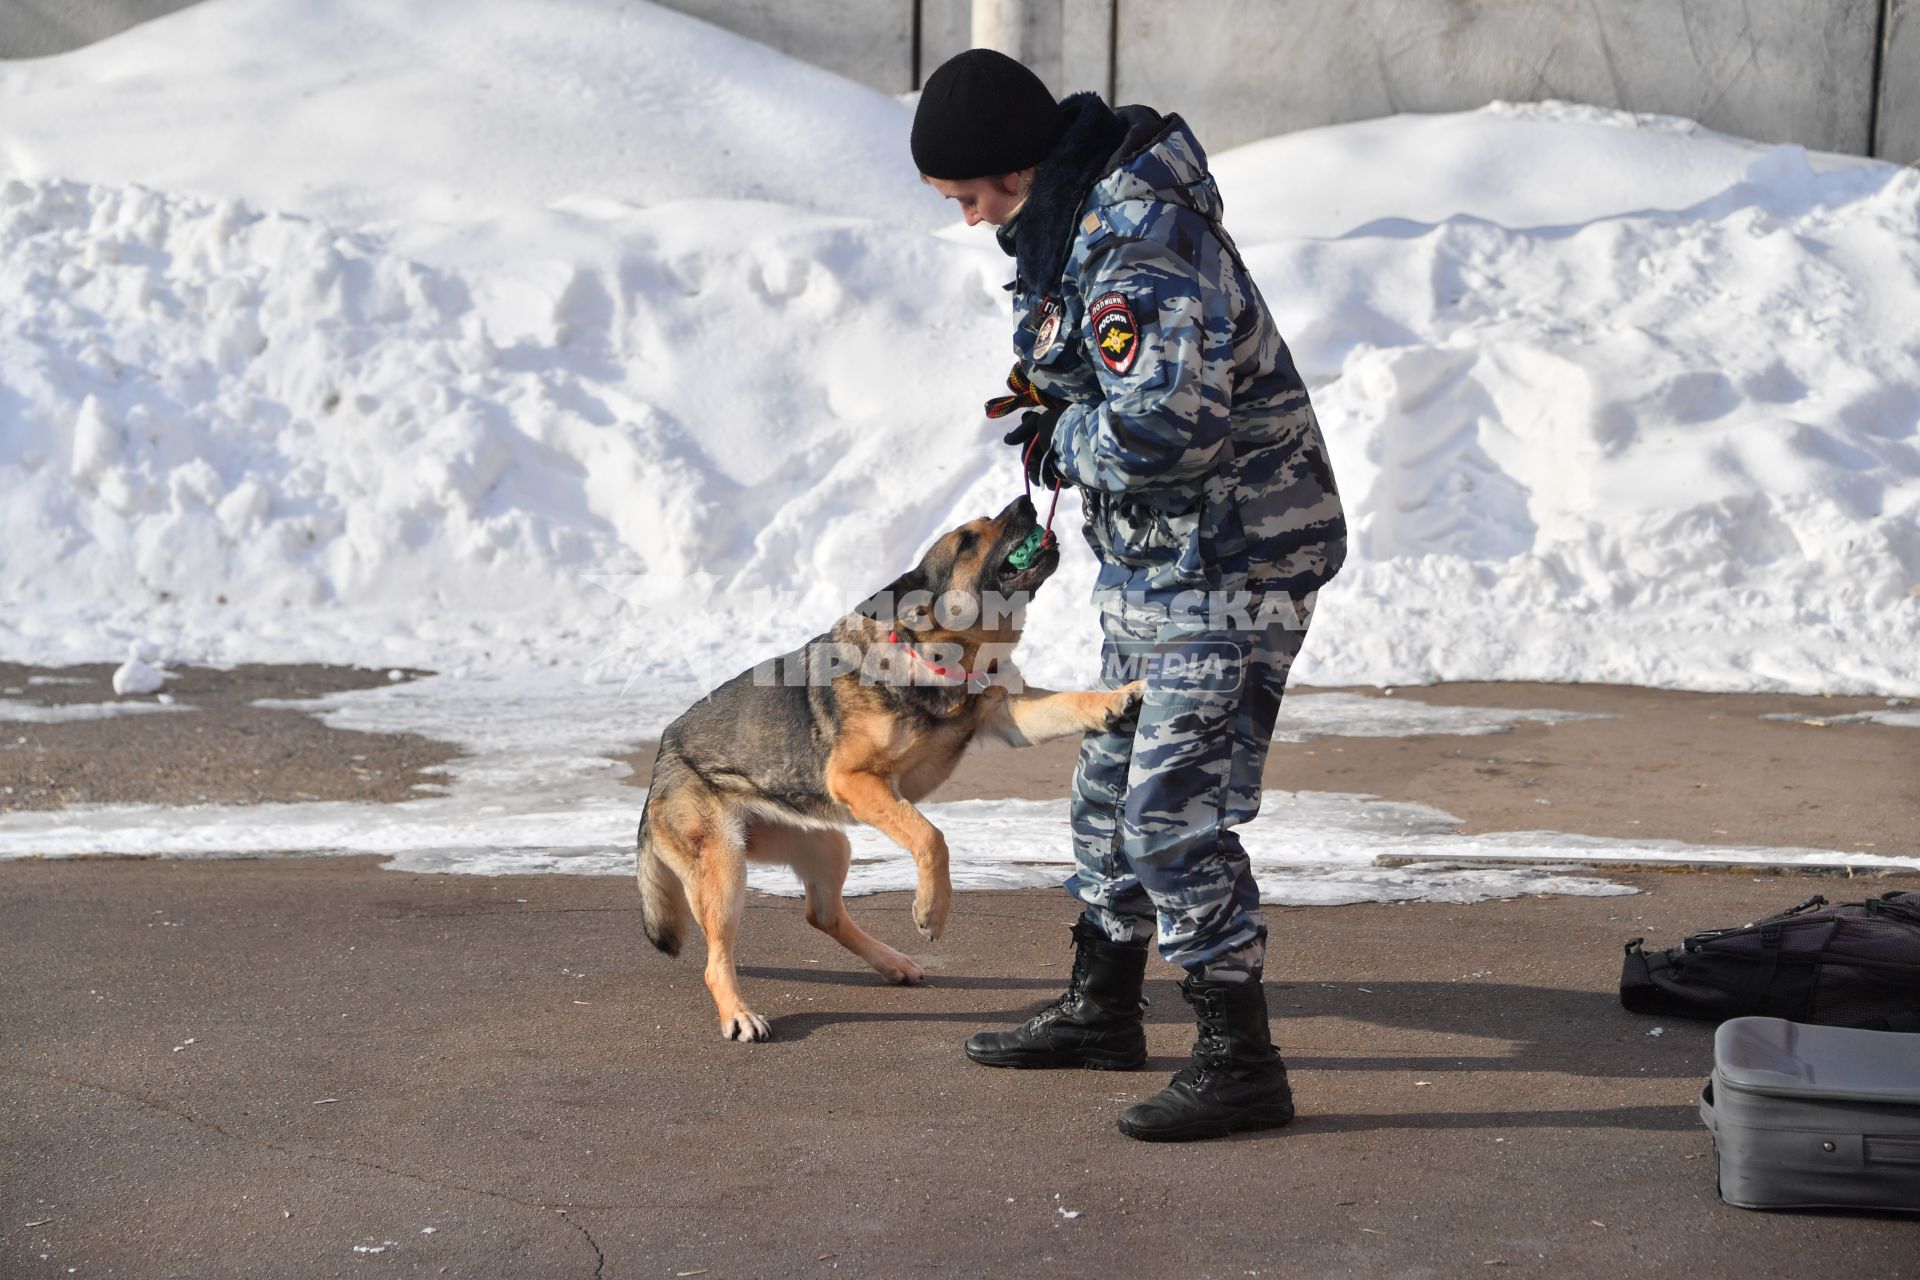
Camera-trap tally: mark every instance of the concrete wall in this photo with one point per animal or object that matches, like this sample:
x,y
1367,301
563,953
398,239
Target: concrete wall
x,y
1897,131
1086,42
1837,75
1776,70
36,28
866,40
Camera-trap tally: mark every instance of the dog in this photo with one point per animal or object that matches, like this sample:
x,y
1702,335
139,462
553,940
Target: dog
x,y
854,726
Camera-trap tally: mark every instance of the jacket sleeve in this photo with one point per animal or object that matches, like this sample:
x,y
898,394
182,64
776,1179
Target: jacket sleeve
x,y
1163,418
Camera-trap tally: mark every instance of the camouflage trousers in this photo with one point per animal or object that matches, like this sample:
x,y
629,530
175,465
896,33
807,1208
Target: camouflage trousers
x,y
1156,798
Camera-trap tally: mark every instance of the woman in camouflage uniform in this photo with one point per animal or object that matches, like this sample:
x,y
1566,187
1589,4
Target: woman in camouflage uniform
x,y
1159,386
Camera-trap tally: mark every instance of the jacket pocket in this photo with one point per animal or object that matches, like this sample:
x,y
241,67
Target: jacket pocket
x,y
1147,529
1213,555
1185,539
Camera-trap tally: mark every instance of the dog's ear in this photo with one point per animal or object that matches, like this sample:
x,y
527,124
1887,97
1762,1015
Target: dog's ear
x,y
883,606
934,573
913,596
914,608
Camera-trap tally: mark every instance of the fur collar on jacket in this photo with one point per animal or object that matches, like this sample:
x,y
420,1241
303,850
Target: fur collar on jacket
x,y
1041,234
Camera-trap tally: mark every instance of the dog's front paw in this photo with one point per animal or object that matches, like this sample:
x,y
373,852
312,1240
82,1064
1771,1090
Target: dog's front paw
x,y
745,1026
1123,704
930,913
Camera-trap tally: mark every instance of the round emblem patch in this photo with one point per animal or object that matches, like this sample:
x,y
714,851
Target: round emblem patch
x,y
1114,332
1048,335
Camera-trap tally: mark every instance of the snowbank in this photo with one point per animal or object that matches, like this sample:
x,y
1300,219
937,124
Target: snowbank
x,y
360,112
406,332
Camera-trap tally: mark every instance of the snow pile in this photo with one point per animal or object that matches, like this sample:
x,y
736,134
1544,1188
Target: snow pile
x,y
136,675
252,435
1663,447
454,335
364,112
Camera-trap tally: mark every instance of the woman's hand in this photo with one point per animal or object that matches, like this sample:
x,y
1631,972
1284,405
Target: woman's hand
x,y
1034,435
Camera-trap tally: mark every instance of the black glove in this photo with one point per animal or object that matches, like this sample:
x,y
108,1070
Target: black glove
x,y
1034,436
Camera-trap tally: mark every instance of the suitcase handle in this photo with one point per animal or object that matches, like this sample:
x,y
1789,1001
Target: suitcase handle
x,y
1892,1150
1706,1109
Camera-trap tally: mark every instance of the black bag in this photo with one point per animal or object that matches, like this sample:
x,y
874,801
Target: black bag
x,y
1853,965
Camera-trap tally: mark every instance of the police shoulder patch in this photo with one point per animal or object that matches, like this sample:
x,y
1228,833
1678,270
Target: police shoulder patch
x,y
1115,333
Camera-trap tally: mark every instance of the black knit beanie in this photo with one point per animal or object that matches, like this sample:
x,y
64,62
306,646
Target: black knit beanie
x,y
982,114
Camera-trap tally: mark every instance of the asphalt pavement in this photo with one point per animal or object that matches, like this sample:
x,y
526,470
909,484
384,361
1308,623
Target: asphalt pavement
x,y
315,1067
318,1067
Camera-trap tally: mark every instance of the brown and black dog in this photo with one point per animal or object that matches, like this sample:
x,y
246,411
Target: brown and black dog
x,y
854,726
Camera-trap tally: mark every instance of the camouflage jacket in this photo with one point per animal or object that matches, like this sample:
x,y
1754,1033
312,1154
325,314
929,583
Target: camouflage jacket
x,y
1189,432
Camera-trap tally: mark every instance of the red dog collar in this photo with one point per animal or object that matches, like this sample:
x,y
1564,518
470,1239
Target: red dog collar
x,y
945,673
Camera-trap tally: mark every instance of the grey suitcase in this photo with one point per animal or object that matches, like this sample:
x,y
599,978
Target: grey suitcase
x,y
1807,1117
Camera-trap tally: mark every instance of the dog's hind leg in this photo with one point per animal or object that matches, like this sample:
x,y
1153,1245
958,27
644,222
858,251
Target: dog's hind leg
x,y
716,884
821,859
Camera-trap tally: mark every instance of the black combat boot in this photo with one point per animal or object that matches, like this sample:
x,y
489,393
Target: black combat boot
x,y
1235,1079
1096,1024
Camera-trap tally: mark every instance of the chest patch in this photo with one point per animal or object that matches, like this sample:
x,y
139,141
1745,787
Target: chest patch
x,y
1115,333
1047,337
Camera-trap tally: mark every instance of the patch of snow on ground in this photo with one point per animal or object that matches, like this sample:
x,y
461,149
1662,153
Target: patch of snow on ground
x,y
1894,717
64,713
538,793
1306,716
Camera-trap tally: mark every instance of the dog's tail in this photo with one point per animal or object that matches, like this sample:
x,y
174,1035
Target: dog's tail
x,y
663,900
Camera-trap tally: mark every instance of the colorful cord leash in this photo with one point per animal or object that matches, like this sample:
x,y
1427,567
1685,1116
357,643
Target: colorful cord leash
x,y
1027,396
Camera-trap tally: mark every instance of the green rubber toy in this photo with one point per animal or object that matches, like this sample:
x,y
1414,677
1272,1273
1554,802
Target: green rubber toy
x,y
1023,555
